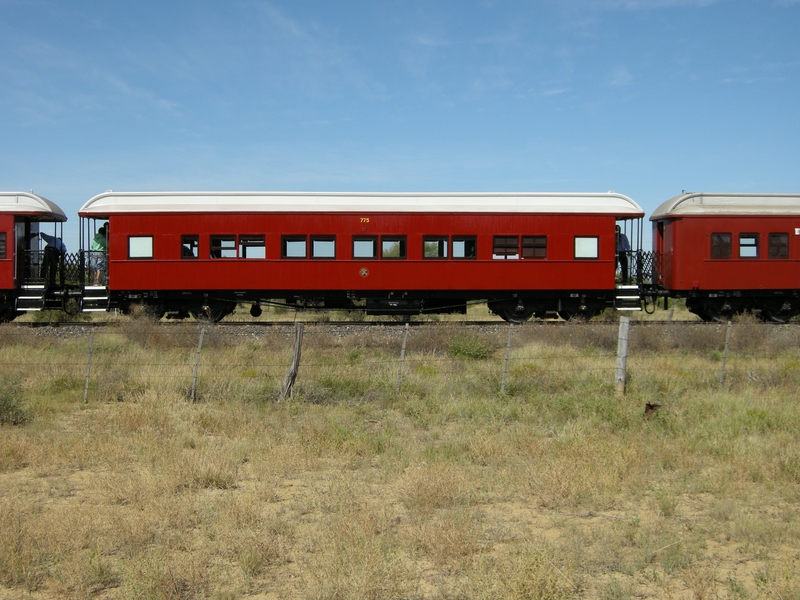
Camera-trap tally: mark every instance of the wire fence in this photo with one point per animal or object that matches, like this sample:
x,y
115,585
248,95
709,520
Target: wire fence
x,y
350,362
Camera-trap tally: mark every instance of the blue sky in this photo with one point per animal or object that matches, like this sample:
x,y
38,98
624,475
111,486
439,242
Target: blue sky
x,y
645,97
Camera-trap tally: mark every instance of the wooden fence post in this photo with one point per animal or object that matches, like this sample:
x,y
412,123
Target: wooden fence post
x,y
402,357
197,363
88,368
288,381
725,356
622,355
505,364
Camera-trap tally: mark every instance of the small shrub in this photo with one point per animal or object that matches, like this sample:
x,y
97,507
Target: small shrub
x,y
470,347
11,411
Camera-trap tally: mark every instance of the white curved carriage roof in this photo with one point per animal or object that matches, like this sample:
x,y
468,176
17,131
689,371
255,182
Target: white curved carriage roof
x,y
703,203
359,202
25,203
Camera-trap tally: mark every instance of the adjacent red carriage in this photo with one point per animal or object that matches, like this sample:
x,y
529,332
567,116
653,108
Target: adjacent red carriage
x,y
23,285
726,253
391,253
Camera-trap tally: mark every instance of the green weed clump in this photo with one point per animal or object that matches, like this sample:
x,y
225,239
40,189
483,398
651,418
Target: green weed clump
x,y
470,347
11,409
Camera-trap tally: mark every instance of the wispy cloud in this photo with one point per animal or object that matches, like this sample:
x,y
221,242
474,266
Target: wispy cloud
x,y
620,77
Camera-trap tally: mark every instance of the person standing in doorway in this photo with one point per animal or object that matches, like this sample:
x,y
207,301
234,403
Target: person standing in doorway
x,y
99,251
623,248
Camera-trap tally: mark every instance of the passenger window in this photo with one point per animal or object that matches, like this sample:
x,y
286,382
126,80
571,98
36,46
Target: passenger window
x,y
505,247
2,244
365,247
779,245
587,247
323,247
223,246
393,247
252,246
720,245
140,246
534,246
190,246
465,247
293,247
434,247
748,245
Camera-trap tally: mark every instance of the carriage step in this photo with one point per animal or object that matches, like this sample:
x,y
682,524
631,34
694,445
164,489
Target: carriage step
x,y
627,298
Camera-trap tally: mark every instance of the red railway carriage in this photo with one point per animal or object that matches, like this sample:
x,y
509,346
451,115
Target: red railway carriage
x,y
726,253
201,253
25,220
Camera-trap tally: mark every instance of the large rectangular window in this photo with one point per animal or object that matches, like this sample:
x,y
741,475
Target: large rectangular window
x,y
505,247
434,247
393,247
779,245
748,245
2,244
323,247
465,247
365,247
223,246
587,247
720,245
534,246
140,246
252,246
293,247
190,246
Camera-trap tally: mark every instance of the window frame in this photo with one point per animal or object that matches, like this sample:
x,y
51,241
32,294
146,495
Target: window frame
x,y
192,242
584,239
216,242
505,247
373,239
754,247
321,239
771,245
537,243
724,250
3,244
289,239
442,247
465,239
141,238
400,240
251,240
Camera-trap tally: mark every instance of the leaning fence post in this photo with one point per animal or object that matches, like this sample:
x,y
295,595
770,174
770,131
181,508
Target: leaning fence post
x,y
288,381
505,365
88,368
197,363
622,354
725,355
402,357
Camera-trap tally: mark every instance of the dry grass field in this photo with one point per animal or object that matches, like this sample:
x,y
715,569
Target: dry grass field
x,y
439,488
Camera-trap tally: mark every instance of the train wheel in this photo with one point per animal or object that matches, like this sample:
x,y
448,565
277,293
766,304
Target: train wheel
x,y
213,313
512,315
778,312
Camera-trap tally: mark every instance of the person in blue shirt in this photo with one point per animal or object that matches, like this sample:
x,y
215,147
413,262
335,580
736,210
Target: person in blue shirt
x,y
53,257
623,248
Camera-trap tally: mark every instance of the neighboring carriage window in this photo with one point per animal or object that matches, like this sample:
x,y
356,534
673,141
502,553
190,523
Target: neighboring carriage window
x,y
720,245
505,247
534,246
223,246
748,245
434,247
393,247
323,247
293,247
586,247
252,246
190,246
465,247
779,245
140,246
365,247
2,244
